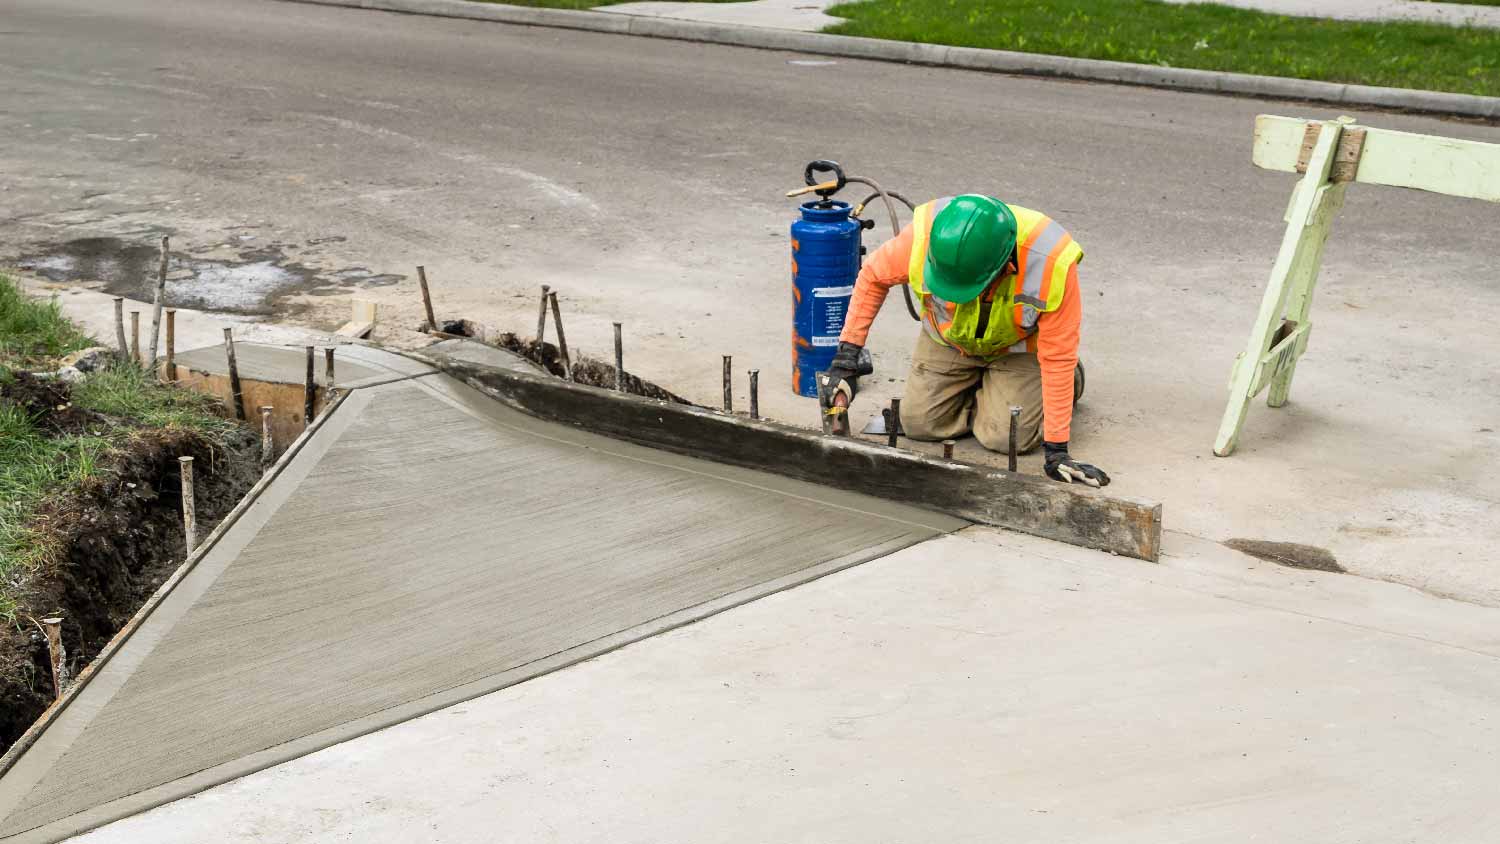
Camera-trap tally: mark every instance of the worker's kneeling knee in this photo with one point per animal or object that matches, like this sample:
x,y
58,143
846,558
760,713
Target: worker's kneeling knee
x,y
924,427
996,438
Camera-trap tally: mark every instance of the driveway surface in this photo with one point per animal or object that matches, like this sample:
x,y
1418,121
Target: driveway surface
x,y
979,687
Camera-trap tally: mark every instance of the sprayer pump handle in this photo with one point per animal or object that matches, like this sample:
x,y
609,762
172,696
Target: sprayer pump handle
x,y
822,165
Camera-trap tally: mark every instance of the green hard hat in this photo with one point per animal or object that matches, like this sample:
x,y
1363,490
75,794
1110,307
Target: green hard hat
x,y
972,239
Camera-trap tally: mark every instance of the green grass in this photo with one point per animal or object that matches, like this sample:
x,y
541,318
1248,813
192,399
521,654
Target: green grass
x,y
34,463
1401,55
33,332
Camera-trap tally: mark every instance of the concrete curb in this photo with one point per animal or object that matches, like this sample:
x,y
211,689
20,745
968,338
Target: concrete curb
x,y
969,58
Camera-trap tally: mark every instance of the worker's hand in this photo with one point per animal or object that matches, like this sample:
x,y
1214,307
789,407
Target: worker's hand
x,y
1060,466
842,375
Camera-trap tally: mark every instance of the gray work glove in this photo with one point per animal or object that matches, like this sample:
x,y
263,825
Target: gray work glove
x,y
1060,466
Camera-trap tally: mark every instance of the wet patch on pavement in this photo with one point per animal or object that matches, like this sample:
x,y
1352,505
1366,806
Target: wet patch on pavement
x,y
1290,554
254,281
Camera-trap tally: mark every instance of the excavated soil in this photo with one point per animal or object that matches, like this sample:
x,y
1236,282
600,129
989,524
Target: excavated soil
x,y
586,370
118,538
49,404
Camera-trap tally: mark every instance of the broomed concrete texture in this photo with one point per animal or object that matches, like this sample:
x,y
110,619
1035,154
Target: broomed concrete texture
x,y
983,687
643,178
427,545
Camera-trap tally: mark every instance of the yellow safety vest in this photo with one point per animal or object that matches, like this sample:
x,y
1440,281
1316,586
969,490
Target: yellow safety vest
x,y
1045,252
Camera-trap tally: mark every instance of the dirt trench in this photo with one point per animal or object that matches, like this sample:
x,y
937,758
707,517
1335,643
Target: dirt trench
x,y
118,538
586,370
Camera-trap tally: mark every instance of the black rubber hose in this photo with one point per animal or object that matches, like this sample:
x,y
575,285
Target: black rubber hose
x,y
890,209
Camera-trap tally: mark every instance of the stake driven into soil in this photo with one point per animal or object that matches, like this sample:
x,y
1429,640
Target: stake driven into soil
x,y
171,344
156,299
562,340
189,507
234,376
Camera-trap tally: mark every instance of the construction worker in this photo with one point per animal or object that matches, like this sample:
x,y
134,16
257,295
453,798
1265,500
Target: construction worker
x,y
1001,313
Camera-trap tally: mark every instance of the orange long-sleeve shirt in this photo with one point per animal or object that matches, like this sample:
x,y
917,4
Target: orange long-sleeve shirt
x,y
1055,341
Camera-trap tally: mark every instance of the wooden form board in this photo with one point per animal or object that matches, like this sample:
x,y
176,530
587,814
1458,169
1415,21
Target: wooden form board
x,y
1450,166
1026,503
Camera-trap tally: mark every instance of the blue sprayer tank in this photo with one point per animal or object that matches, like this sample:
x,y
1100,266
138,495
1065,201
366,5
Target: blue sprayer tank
x,y
825,261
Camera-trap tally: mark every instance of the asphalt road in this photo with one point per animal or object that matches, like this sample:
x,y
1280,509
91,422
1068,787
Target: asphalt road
x,y
643,179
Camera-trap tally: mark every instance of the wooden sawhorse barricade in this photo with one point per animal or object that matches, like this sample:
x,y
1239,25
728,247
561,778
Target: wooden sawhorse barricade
x,y
1332,154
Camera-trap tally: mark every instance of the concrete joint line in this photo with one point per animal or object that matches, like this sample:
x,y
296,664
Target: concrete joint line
x,y
967,58
205,547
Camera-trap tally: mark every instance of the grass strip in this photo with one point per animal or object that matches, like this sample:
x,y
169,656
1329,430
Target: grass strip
x,y
36,462
1438,57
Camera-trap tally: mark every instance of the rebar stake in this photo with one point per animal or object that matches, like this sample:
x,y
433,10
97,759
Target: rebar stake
x,y
189,510
541,324
135,338
893,425
948,449
328,368
755,394
309,390
171,344
1015,420
122,350
426,298
728,384
234,376
267,445
58,655
619,359
562,339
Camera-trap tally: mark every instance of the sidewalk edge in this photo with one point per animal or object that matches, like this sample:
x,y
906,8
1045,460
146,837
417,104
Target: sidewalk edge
x,y
968,58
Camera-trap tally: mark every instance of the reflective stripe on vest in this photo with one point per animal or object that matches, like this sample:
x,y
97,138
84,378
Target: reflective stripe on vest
x,y
1044,255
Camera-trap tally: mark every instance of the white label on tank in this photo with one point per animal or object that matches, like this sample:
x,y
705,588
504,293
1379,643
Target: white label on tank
x,y
833,291
826,340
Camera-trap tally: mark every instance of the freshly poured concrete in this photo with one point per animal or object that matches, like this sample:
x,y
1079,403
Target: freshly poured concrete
x,y
644,180
426,546
981,687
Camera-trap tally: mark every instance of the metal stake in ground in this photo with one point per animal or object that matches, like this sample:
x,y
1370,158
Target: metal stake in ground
x,y
267,445
426,298
52,631
1015,420
120,327
755,394
562,340
189,510
309,390
161,289
893,423
135,337
728,384
619,359
234,376
171,344
541,325
328,365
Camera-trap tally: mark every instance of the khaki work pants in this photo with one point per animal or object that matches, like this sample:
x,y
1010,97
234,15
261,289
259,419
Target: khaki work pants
x,y
941,401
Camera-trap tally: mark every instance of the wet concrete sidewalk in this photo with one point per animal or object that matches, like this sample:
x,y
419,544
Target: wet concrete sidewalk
x,y
425,545
978,687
